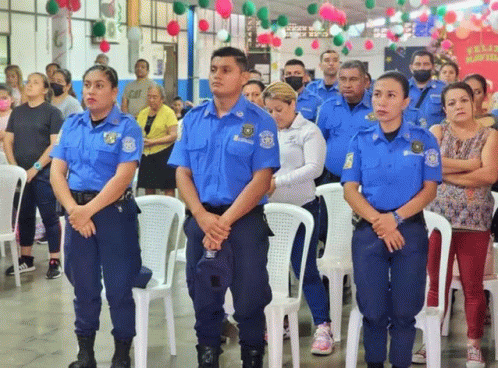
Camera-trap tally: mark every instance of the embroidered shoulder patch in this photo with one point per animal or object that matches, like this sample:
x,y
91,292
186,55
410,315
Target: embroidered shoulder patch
x,y
129,144
432,157
348,163
266,139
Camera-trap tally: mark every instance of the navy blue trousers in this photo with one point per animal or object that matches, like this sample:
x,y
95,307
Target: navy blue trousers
x,y
390,290
243,259
114,253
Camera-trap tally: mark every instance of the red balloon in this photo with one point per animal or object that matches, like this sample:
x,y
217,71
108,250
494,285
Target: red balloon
x,y
173,28
450,17
315,44
327,11
265,38
203,25
104,46
390,35
276,42
74,5
62,3
369,44
494,6
224,8
423,17
390,12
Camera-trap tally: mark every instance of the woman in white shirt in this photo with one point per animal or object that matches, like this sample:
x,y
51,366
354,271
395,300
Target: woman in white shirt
x,y
302,156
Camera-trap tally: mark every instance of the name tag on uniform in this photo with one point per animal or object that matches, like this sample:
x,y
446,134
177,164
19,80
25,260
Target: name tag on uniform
x,y
410,153
237,138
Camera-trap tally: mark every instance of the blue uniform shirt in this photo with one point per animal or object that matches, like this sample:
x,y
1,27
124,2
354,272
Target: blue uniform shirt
x,y
93,154
339,124
223,153
318,88
392,173
308,104
495,112
431,110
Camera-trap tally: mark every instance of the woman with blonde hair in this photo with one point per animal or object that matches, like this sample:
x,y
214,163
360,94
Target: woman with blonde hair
x,y
302,157
13,76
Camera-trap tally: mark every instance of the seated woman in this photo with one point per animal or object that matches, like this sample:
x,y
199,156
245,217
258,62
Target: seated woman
x,y
302,156
159,125
468,153
63,93
252,90
398,167
449,72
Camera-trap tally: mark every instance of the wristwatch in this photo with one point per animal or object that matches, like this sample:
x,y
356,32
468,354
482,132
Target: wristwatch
x,y
37,166
397,218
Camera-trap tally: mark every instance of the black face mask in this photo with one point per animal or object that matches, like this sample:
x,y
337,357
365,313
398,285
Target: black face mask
x,y
57,88
295,82
422,76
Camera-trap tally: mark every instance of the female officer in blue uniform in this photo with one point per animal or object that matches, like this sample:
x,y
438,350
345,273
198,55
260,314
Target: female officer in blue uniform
x,y
225,157
398,166
99,150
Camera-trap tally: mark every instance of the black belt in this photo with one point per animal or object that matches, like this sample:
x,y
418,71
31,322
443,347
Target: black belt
x,y
220,210
83,197
358,221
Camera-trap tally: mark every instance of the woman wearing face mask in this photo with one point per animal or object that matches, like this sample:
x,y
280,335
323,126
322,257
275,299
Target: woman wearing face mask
x,y
5,110
63,99
13,76
302,157
31,133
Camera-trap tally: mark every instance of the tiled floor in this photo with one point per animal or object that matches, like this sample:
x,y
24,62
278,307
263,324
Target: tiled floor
x,y
36,329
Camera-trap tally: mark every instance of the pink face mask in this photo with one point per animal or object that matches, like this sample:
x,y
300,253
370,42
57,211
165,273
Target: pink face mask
x,y
5,104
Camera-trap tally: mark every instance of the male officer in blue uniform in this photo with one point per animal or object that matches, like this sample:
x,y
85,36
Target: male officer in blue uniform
x,y
225,157
425,108
328,86
307,102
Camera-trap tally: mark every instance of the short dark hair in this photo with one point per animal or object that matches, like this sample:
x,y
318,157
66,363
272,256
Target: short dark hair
x,y
177,98
142,61
354,64
228,51
5,87
295,62
110,73
369,76
52,64
422,53
255,71
456,85
256,82
453,65
329,51
398,77
480,79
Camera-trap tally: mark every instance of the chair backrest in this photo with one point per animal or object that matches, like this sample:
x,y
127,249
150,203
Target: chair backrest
x,y
3,159
438,222
284,221
340,228
10,177
158,214
495,198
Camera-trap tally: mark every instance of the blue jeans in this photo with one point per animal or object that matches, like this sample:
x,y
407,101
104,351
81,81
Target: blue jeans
x,y
390,290
39,193
313,288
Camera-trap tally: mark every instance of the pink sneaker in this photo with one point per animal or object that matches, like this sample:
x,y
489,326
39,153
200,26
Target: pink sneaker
x,y
474,357
323,342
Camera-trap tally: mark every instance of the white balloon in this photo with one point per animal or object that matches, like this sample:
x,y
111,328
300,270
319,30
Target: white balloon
x,y
134,33
415,3
450,27
281,33
222,35
397,29
335,30
317,25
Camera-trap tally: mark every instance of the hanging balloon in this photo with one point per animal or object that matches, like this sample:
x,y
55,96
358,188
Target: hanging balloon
x,y
98,29
369,45
104,46
282,21
370,4
425,2
433,10
450,27
224,8
338,39
62,3
262,13
52,7
74,5
298,51
173,28
229,38
264,38
398,30
265,24
401,2
415,3
435,35
349,45
108,10
446,44
390,12
327,11
317,25
222,35
450,17
462,32
441,11
315,44
281,33
313,9
134,33
345,27
204,4
335,30
274,27
405,17
392,47
424,17
390,34
345,50
494,6
203,25
276,42
179,8
249,8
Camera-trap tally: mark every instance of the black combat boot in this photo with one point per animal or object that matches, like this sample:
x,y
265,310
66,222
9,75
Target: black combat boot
x,y
208,356
252,358
86,356
121,358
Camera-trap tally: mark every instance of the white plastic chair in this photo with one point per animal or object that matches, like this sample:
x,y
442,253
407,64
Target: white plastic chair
x,y
336,261
157,216
284,221
429,319
10,176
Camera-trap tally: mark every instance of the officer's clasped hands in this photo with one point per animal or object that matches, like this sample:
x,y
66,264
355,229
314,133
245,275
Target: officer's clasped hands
x,y
214,227
80,220
385,227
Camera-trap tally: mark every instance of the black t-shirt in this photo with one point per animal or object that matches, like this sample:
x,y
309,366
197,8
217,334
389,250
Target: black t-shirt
x,y
352,105
32,127
328,86
390,136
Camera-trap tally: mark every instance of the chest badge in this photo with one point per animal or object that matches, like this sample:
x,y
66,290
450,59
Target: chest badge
x,y
371,116
417,147
110,137
247,130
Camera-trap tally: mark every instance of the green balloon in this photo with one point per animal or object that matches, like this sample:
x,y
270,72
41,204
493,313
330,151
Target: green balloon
x,y
98,29
179,7
52,7
298,51
392,46
370,4
265,24
441,10
338,39
433,10
203,3
313,9
401,2
249,8
345,27
405,17
282,20
229,38
263,13
345,50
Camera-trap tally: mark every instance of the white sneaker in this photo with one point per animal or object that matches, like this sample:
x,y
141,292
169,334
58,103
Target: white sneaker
x,y
474,357
420,357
